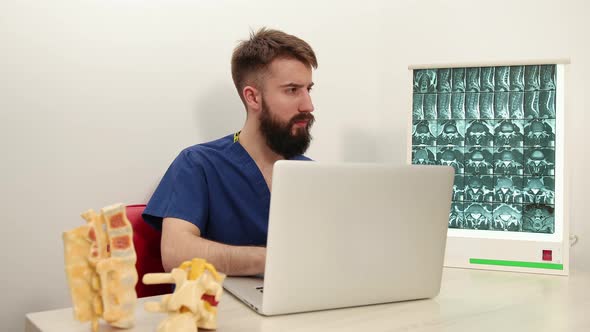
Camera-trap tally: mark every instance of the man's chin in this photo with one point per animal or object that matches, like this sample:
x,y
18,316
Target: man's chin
x,y
298,131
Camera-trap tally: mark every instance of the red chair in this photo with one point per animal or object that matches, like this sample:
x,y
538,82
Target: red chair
x,y
147,248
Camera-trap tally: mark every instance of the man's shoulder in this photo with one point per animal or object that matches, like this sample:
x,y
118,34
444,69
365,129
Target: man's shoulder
x,y
207,150
219,144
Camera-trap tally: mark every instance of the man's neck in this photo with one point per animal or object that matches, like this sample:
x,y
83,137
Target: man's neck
x,y
254,143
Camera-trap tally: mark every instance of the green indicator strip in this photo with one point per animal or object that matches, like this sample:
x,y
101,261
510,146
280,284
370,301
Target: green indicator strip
x,y
550,266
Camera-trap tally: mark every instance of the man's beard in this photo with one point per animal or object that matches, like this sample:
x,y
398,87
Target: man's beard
x,y
279,137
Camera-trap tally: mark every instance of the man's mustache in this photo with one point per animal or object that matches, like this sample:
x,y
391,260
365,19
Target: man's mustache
x,y
303,117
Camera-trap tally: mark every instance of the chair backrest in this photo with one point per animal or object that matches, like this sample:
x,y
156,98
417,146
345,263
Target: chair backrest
x,y
147,248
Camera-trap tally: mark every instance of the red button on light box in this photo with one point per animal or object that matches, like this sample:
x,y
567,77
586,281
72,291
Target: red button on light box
x,y
547,255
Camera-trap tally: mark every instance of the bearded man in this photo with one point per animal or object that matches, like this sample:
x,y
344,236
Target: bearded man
x,y
213,202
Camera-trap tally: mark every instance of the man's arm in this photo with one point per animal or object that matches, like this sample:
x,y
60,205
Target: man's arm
x,y
182,241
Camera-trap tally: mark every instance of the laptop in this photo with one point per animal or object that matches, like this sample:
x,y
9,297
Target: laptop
x,y
350,234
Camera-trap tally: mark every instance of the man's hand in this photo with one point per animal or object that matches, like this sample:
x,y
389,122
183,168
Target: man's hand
x,y
182,241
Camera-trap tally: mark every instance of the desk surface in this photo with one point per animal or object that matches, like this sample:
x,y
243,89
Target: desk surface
x,y
470,300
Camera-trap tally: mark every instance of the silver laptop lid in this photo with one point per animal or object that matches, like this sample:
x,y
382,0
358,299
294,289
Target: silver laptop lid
x,y
343,234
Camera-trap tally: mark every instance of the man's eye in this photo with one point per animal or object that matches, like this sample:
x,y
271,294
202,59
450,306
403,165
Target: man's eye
x,y
291,90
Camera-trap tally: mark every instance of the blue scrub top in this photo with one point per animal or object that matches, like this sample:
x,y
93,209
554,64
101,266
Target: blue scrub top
x,y
217,187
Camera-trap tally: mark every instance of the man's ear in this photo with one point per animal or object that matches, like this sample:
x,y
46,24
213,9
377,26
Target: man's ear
x,y
253,98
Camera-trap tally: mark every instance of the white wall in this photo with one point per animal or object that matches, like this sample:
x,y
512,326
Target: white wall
x,y
97,97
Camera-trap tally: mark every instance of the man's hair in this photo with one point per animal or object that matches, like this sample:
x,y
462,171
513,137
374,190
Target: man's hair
x,y
251,58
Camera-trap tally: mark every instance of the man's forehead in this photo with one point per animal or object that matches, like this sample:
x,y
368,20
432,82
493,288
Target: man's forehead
x,y
284,71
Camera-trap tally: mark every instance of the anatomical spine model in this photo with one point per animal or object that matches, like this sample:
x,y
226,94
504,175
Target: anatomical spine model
x,y
100,268
193,304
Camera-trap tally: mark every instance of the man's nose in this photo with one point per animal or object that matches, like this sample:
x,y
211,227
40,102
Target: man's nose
x,y
306,103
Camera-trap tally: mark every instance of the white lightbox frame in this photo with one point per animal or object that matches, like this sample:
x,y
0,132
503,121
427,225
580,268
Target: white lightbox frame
x,y
514,251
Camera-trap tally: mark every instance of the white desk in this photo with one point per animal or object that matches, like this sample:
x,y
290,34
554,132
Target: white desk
x,y
470,300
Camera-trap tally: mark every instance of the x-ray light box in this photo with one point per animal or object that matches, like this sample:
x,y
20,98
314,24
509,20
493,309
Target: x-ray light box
x,y
501,127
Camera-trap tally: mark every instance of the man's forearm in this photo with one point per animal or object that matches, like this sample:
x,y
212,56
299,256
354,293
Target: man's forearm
x,y
231,260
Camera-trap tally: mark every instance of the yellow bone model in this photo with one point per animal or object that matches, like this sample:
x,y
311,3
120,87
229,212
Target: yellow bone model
x,y
100,268
193,304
